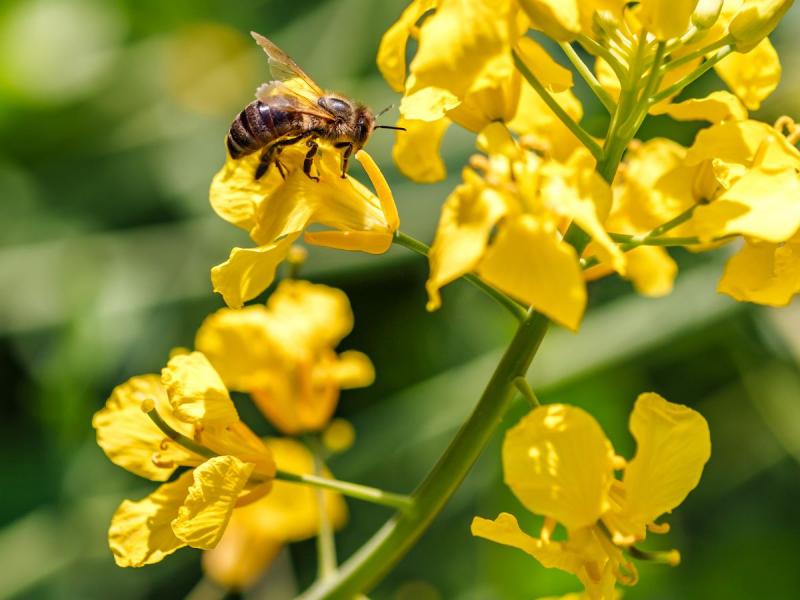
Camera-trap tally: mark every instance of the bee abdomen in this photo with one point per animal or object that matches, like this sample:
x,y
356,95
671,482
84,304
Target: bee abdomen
x,y
249,131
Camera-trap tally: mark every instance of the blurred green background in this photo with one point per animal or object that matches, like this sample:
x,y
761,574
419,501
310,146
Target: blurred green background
x,y
112,118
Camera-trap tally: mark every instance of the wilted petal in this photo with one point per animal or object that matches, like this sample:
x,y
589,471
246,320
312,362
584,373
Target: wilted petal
x,y
210,499
141,532
129,437
416,150
752,76
505,530
558,462
672,446
716,107
249,271
763,273
529,261
196,391
468,216
764,205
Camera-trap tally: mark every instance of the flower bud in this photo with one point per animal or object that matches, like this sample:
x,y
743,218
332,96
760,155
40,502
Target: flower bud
x,y
756,21
604,23
706,13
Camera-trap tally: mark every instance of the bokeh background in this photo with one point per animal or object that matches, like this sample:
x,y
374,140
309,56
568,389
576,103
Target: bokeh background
x,y
112,118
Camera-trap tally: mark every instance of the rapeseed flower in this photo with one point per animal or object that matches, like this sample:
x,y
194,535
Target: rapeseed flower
x,y
282,353
559,464
227,463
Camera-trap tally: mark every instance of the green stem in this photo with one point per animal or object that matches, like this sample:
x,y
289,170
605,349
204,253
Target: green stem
x,y
592,47
524,388
687,58
326,544
354,490
691,77
554,105
588,76
509,304
373,560
179,438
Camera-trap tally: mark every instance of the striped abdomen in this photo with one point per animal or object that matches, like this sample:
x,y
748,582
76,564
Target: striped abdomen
x,y
261,123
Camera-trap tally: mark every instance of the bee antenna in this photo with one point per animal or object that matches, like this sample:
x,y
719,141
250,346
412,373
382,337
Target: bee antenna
x,y
384,110
390,127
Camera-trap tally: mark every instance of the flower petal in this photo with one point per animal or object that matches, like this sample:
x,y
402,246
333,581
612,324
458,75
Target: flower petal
x,y
651,270
392,50
129,437
530,262
552,75
505,530
559,464
140,532
430,103
672,446
752,76
353,369
371,242
764,205
741,142
210,499
196,391
666,19
416,150
559,19
467,218
716,107
763,273
249,271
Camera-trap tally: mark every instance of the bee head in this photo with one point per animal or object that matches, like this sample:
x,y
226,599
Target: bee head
x,y
363,125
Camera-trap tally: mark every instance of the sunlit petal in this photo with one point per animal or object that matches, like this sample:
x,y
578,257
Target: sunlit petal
x,y
196,391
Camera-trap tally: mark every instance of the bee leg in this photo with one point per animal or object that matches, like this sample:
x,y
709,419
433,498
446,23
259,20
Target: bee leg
x,y
348,150
266,160
309,160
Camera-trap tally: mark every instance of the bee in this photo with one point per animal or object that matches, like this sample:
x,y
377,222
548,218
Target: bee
x,y
292,109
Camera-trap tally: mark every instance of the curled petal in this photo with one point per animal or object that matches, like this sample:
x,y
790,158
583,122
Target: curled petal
x,y
196,391
141,532
210,499
529,261
763,273
716,107
249,271
558,462
129,437
371,242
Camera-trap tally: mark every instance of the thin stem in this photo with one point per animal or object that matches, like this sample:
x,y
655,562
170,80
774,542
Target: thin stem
x,y
553,104
588,76
326,544
509,304
524,388
179,438
595,49
354,490
691,77
687,58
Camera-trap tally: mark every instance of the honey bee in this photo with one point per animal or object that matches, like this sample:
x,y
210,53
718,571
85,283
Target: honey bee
x,y
293,108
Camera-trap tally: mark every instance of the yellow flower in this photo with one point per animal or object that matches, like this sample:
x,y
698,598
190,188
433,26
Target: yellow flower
x,y
257,532
276,211
528,200
559,464
283,353
194,509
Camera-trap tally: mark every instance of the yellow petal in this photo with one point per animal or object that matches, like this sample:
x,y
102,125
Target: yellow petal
x,y
530,262
672,446
317,315
558,462
505,530
416,150
371,242
756,20
241,345
129,437
392,50
339,436
216,485
249,271
468,216
552,75
607,78
763,273
382,189
141,532
764,205
352,370
241,556
651,270
666,19
430,103
196,391
559,19
752,76
716,107
237,439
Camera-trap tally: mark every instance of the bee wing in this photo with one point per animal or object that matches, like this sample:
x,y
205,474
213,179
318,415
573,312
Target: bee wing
x,y
286,70
305,105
